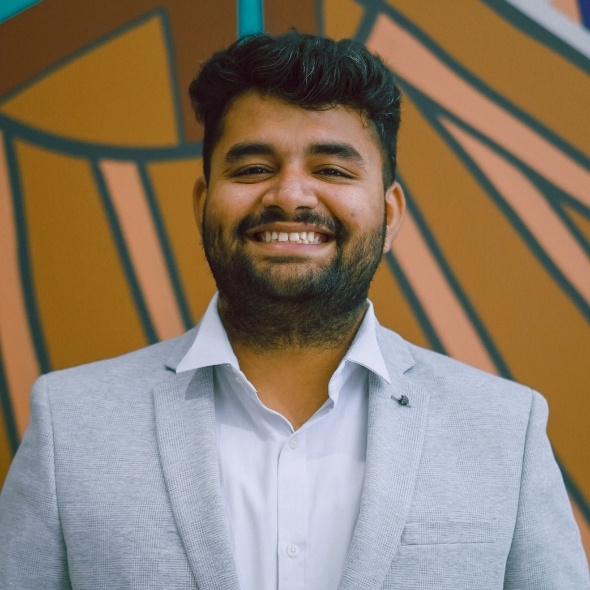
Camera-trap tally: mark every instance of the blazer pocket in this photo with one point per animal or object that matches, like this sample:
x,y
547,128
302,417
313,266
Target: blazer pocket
x,y
450,531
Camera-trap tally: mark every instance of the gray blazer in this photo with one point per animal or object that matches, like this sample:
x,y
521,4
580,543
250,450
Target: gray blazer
x,y
116,483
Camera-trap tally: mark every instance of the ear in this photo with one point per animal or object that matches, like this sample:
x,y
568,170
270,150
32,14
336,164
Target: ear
x,y
199,199
395,208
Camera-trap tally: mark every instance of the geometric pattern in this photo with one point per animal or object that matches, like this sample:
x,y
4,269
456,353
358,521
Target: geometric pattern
x,y
98,155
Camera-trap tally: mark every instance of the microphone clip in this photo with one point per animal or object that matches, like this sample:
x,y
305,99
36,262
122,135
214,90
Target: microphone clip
x,y
402,401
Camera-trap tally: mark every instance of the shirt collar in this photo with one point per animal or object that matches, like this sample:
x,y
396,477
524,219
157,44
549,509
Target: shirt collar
x,y
212,347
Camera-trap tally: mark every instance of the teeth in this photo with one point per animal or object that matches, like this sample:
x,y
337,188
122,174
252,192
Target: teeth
x,y
293,237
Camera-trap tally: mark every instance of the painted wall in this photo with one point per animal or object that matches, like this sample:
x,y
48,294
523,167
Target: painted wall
x,y
99,151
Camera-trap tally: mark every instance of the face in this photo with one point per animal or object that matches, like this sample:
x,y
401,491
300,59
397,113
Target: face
x,y
295,203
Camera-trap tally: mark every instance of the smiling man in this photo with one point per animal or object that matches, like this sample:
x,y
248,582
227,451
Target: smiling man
x,y
289,441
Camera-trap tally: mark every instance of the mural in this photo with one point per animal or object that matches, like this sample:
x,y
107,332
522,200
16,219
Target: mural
x,y
99,151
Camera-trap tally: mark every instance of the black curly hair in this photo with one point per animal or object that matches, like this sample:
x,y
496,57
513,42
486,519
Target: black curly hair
x,y
312,72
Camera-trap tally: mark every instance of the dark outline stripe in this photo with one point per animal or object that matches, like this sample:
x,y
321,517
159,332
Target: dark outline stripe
x,y
556,198
362,36
80,52
533,29
372,11
431,111
456,287
414,303
79,148
573,228
24,258
171,265
320,19
172,69
478,84
7,409
124,257
584,6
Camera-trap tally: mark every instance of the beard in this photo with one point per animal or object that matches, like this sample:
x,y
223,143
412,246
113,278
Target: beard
x,y
291,301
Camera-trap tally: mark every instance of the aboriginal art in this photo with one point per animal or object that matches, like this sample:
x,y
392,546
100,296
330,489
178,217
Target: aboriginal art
x,y
99,151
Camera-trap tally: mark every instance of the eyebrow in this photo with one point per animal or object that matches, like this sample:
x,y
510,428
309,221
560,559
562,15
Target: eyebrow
x,y
245,149
341,150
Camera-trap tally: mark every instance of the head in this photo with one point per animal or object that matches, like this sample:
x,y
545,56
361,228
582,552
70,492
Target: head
x,y
311,72
299,141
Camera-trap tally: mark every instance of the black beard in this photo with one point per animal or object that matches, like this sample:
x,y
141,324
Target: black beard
x,y
316,308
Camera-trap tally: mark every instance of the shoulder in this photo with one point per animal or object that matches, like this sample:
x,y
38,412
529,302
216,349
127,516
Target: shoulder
x,y
451,383
138,370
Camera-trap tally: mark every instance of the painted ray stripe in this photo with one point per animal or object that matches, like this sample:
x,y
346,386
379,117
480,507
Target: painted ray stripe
x,y
129,200
18,351
532,208
446,314
558,20
250,17
421,68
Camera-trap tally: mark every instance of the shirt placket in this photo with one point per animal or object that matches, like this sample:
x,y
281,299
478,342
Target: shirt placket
x,y
292,513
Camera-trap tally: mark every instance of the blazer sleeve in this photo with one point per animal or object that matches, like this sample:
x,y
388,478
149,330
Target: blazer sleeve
x,y
546,549
32,548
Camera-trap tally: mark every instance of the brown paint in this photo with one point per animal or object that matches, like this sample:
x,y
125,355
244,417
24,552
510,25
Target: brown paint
x,y
53,30
540,333
173,186
529,74
392,307
139,232
530,206
19,358
85,304
283,15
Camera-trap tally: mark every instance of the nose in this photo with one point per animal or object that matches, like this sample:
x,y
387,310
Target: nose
x,y
291,190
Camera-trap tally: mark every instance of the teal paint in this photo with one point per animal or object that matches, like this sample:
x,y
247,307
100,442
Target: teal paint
x,y
9,8
250,17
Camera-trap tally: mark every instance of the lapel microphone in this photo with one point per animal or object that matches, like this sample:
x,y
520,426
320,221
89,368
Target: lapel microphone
x,y
402,401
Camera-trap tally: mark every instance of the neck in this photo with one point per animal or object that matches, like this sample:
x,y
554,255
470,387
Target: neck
x,y
293,326
290,372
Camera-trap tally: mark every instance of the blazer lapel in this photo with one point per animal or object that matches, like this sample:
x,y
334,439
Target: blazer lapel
x,y
185,422
394,447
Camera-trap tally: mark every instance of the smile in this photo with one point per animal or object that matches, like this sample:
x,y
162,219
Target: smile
x,y
303,237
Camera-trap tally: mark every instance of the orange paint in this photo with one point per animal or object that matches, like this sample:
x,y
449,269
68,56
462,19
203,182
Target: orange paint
x,y
420,67
532,208
126,191
18,353
444,311
568,7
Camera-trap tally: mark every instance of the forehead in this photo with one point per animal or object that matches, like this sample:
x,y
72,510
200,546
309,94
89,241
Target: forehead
x,y
254,117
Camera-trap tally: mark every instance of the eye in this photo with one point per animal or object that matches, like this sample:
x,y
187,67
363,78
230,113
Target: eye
x,y
334,172
252,171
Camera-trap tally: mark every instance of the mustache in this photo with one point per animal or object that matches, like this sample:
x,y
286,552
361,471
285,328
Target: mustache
x,y
305,216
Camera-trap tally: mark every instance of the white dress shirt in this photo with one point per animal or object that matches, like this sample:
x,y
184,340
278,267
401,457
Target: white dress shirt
x,y
292,497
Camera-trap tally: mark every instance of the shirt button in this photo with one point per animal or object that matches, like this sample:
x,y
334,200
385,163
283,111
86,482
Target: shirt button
x,y
292,550
294,443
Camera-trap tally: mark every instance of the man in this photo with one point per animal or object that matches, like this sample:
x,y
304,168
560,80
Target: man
x,y
289,441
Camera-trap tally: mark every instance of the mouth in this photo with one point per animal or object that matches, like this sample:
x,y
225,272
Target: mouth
x,y
282,233
302,237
